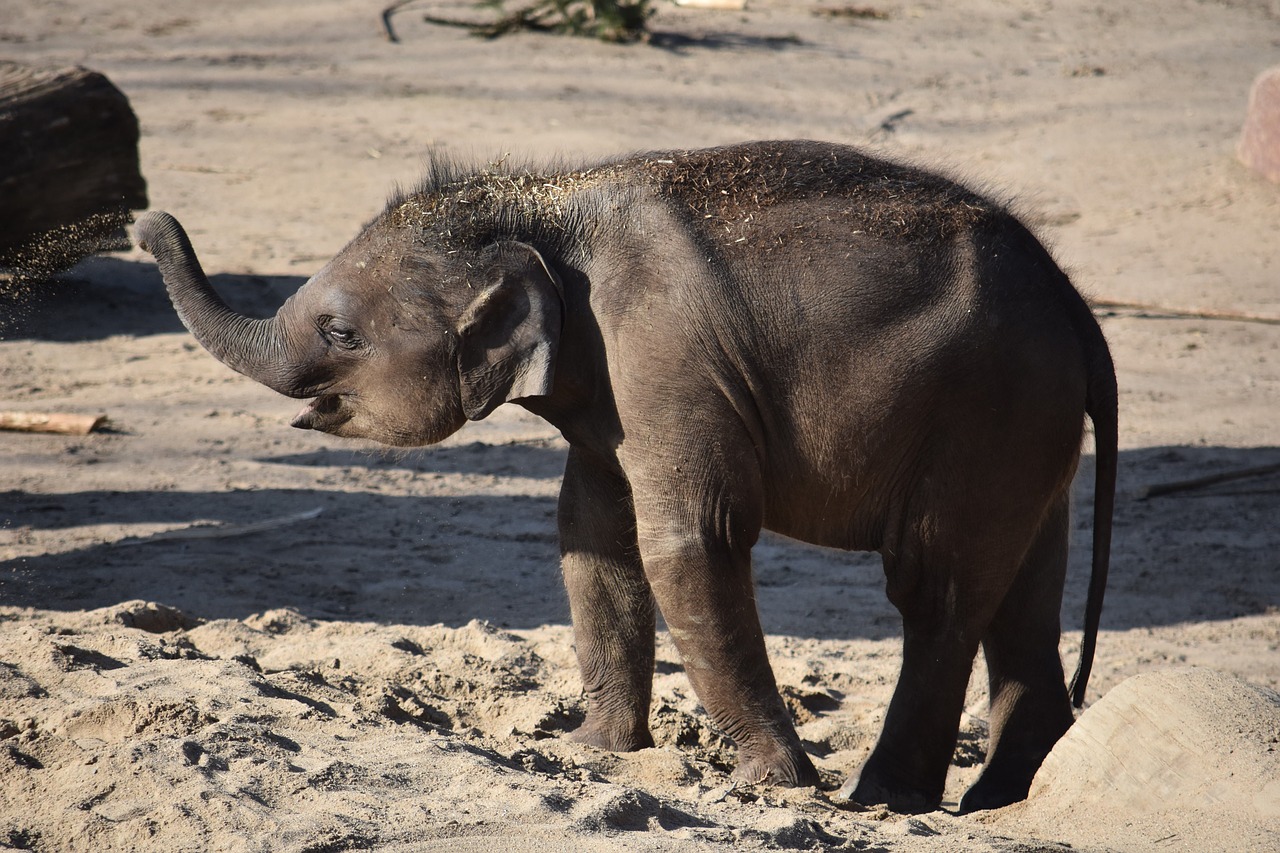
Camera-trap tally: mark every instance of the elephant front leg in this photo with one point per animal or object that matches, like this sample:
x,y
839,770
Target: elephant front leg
x,y
703,587
610,602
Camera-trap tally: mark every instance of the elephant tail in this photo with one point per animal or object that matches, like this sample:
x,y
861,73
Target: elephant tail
x,y
1101,404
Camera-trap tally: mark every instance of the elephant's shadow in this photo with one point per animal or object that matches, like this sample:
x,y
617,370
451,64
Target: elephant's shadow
x,y
523,459
1194,555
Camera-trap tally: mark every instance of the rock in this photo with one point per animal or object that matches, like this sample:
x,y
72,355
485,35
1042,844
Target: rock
x,y
1259,147
1188,758
1179,735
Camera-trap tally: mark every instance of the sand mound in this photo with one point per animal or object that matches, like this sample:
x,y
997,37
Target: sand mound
x,y
1184,758
286,733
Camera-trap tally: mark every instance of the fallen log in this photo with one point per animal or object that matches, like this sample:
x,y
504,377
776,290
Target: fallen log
x,y
55,422
69,173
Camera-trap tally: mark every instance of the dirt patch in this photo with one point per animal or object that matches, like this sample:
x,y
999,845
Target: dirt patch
x,y
389,664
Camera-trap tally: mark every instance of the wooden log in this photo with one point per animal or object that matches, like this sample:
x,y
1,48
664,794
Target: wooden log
x,y
718,5
68,167
56,422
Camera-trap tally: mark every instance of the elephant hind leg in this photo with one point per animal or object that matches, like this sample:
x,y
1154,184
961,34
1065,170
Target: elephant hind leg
x,y
950,581
907,770
1030,709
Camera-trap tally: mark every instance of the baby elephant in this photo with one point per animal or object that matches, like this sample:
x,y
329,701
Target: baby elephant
x,y
794,336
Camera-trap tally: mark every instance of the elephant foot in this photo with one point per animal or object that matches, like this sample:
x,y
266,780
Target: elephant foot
x,y
1020,747
872,788
615,738
994,790
782,768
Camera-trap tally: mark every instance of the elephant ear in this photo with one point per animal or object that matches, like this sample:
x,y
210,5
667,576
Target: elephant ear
x,y
510,333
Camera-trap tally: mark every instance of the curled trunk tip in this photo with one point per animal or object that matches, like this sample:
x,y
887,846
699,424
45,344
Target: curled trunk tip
x,y
158,228
249,346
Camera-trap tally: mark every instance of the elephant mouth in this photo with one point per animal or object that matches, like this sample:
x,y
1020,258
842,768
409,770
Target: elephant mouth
x,y
325,413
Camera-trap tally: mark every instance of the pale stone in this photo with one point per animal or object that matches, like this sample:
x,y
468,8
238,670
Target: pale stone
x,y
1259,147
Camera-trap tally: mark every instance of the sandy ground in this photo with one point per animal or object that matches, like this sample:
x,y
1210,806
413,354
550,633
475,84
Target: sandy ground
x,y
396,672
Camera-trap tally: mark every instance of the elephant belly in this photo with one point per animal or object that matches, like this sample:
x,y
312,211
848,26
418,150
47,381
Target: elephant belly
x,y
848,519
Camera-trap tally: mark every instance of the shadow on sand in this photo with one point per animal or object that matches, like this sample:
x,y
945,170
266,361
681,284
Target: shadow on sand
x,y
1195,555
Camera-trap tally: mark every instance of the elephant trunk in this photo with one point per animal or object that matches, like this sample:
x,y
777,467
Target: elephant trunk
x,y
250,346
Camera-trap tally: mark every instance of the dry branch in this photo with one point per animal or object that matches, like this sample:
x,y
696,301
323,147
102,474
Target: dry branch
x,y
62,424
608,20
386,19
223,531
869,13
1181,313
1157,489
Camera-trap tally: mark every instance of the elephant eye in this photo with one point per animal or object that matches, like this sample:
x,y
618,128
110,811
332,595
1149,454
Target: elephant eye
x,y
342,336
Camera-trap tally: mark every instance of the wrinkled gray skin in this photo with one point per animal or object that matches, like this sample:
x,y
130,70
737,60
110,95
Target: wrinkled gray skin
x,y
791,336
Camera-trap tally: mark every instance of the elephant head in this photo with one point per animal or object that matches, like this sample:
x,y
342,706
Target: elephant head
x,y
388,341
